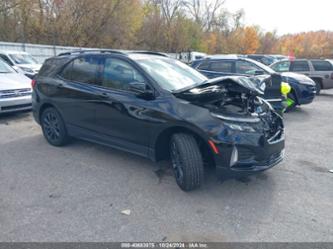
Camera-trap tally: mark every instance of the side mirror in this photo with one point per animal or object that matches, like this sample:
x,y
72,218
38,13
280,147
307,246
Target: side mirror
x,y
141,90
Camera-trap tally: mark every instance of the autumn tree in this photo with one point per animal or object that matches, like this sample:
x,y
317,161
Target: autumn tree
x,y
161,25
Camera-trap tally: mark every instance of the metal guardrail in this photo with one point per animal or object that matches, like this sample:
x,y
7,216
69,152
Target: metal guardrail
x,y
42,52
38,51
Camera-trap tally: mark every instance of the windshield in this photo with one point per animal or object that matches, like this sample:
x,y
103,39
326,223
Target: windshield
x,y
5,68
170,74
264,67
23,59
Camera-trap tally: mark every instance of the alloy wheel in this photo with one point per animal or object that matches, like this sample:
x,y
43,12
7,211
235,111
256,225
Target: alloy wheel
x,y
51,126
177,163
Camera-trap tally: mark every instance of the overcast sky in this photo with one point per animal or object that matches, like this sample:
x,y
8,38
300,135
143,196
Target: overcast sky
x,y
286,16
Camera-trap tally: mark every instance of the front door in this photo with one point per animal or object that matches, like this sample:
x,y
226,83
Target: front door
x,y
121,116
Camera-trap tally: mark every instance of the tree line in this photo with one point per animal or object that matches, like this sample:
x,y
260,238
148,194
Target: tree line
x,y
160,25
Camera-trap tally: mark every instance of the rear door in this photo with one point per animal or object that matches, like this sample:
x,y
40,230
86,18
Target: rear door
x,y
324,70
300,66
75,94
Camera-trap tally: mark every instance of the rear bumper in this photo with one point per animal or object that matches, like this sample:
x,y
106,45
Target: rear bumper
x,y
15,104
254,155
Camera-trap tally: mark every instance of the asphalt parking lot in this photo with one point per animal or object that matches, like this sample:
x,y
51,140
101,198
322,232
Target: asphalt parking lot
x,y
77,193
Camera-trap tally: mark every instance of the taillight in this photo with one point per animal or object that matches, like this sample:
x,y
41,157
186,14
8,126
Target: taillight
x,y
33,83
332,76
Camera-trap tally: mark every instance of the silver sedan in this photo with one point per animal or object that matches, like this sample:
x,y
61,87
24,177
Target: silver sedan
x,y
15,90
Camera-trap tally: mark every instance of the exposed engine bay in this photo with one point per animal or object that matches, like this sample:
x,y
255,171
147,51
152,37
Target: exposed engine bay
x,y
229,96
236,99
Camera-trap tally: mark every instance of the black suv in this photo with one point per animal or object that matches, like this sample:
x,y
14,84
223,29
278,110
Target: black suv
x,y
160,108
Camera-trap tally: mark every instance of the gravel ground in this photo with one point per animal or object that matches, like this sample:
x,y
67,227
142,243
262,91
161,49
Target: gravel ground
x,y
77,193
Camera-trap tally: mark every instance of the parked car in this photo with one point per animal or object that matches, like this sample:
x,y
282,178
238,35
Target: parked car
x,y
264,59
320,71
303,89
15,90
159,108
279,57
21,61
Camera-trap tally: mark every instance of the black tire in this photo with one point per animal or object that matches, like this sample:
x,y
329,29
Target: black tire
x,y
291,97
186,161
318,86
53,127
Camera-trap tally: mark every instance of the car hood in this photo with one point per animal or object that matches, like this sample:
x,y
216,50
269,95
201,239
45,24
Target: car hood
x,y
13,81
296,76
250,85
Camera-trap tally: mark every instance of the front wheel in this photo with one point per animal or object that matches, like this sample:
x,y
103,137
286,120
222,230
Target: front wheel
x,y
187,161
53,127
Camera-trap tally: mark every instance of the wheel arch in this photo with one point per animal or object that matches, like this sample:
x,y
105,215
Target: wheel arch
x,y
319,80
162,141
43,108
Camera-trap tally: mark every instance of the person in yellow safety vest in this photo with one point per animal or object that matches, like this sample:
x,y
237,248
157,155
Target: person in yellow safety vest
x,y
285,90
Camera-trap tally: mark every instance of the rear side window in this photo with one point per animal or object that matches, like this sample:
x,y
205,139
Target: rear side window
x,y
267,61
66,72
281,66
83,70
51,66
247,68
322,65
221,66
300,66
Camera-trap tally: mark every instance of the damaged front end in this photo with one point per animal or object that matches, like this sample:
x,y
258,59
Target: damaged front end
x,y
251,134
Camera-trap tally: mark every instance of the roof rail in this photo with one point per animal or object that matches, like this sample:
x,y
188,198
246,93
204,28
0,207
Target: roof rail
x,y
148,53
91,51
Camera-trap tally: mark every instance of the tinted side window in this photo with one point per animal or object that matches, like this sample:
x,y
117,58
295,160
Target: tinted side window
x,y
247,68
267,60
322,65
85,70
204,66
281,66
51,66
118,74
67,72
300,66
221,66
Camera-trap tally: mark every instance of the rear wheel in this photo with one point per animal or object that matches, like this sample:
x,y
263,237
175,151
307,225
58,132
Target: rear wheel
x,y
53,127
291,102
187,161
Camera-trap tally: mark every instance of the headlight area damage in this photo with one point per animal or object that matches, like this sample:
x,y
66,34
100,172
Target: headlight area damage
x,y
251,134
